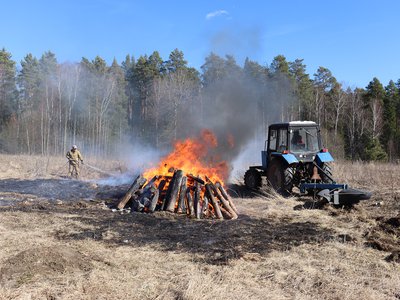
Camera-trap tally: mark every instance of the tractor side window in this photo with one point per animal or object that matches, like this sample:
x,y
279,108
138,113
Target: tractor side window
x,y
282,140
272,140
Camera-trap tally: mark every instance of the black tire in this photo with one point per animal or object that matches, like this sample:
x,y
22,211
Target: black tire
x,y
252,179
327,172
280,177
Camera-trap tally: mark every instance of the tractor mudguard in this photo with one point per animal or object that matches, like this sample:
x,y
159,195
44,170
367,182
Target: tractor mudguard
x,y
264,159
323,157
289,158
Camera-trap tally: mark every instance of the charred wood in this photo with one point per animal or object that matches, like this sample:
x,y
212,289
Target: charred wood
x,y
197,204
197,179
162,184
168,194
224,202
226,196
213,201
150,183
204,209
190,203
174,186
182,193
137,204
154,201
136,185
225,213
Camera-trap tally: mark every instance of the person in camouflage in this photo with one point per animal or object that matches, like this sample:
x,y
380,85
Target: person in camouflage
x,y
74,158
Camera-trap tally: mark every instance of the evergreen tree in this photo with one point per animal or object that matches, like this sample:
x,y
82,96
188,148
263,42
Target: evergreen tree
x,y
8,90
323,82
176,61
213,70
128,67
29,84
389,118
303,88
279,66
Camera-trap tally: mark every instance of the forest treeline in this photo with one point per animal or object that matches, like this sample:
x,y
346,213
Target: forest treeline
x,y
46,106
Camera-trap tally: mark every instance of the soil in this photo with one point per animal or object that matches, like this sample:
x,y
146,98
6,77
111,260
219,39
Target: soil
x,y
219,242
267,225
40,263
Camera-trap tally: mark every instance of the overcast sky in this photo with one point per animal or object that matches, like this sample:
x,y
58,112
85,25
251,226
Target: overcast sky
x,y
356,40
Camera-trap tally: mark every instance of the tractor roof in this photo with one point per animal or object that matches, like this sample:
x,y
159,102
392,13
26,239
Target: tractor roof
x,y
302,123
294,123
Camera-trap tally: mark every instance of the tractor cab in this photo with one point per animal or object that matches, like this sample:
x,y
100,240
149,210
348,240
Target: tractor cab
x,y
300,139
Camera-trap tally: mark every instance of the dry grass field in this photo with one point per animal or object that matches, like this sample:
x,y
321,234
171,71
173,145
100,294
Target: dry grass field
x,y
60,240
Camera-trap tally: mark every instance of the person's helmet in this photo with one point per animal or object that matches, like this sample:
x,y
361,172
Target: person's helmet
x,y
74,147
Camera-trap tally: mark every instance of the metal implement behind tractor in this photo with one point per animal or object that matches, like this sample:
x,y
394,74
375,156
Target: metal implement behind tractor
x,y
294,156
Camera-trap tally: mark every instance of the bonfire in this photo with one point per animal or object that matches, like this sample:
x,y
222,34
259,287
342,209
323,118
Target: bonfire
x,y
189,180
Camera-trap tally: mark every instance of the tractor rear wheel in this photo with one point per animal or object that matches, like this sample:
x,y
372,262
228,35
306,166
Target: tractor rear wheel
x,y
252,179
280,177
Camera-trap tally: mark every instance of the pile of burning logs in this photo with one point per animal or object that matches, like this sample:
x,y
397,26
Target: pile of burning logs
x,y
182,194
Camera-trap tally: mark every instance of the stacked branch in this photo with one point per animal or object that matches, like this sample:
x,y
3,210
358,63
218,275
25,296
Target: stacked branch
x,y
182,194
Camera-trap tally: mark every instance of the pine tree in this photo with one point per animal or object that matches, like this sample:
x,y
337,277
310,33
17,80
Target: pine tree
x,y
389,118
8,90
29,83
303,89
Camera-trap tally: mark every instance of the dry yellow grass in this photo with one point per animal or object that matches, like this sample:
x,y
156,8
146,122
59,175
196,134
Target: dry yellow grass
x,y
68,251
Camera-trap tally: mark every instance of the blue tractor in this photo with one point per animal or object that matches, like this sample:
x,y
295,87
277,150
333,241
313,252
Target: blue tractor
x,y
294,157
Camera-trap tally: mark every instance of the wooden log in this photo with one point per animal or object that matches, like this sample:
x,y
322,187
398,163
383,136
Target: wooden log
x,y
226,196
174,187
196,200
168,194
145,194
162,192
154,200
204,209
162,184
213,201
197,179
137,205
136,185
182,193
226,214
150,183
224,202
190,203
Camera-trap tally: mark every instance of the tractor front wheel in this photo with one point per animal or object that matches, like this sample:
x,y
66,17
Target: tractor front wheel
x,y
280,177
252,179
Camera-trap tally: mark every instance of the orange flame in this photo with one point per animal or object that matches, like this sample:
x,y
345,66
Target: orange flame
x,y
192,156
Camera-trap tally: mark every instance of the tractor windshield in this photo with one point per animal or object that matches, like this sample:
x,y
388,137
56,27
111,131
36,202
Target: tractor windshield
x,y
303,139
